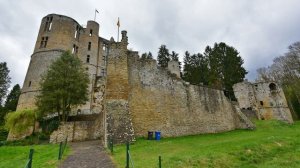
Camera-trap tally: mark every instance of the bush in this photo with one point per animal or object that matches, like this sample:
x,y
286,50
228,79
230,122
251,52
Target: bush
x,y
3,134
20,120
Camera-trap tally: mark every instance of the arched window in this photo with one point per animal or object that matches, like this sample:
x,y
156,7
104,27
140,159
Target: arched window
x,y
272,86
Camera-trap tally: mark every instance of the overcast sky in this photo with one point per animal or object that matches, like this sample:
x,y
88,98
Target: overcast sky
x,y
259,29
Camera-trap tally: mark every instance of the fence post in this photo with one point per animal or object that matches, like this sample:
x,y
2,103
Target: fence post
x,y
111,146
30,157
60,150
159,161
127,155
66,141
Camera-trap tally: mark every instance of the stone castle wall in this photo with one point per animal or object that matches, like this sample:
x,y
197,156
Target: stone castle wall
x,y
160,101
119,124
130,96
266,98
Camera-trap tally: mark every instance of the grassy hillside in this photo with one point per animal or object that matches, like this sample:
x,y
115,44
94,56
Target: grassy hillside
x,y
16,156
272,144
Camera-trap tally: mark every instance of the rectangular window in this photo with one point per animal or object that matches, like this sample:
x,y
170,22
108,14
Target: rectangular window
x,y
89,46
29,84
77,32
46,41
74,49
88,59
91,32
42,42
261,103
50,24
46,26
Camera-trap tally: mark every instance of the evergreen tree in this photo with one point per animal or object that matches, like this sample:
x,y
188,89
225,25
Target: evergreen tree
x,y
163,56
149,56
214,56
12,98
65,85
187,69
201,69
4,80
219,67
225,67
196,69
144,56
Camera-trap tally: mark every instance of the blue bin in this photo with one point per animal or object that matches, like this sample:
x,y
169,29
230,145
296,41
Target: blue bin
x,y
157,135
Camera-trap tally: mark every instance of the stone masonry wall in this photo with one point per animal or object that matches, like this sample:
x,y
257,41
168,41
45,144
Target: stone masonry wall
x,y
118,118
159,101
79,131
268,102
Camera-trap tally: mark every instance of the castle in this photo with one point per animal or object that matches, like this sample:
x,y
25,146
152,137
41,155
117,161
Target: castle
x,y
128,95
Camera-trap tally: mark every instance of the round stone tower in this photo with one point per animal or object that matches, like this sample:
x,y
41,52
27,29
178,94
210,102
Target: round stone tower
x,y
57,34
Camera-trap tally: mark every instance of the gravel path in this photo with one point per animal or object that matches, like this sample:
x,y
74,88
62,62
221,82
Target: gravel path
x,y
88,154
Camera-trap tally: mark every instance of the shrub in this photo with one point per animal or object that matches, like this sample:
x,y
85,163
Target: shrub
x,y
20,121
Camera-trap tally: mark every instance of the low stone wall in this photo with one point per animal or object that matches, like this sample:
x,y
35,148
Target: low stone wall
x,y
78,131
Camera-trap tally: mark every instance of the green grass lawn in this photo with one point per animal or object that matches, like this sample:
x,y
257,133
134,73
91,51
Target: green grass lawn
x,y
273,144
45,156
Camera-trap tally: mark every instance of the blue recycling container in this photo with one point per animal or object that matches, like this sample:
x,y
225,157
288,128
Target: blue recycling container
x,y
157,135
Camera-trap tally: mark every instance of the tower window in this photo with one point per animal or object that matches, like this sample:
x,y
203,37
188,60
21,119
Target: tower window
x,y
29,84
91,32
48,24
89,46
75,49
272,86
77,32
44,42
261,103
88,59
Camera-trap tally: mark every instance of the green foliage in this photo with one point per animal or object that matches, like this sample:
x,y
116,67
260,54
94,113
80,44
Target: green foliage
x,y
272,144
163,56
147,56
3,134
65,85
12,98
220,67
4,80
195,68
20,121
10,103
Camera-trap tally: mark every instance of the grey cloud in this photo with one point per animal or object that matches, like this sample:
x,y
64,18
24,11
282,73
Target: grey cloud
x,y
259,30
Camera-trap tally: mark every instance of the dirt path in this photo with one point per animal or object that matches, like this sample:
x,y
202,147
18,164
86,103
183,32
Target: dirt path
x,y
88,154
